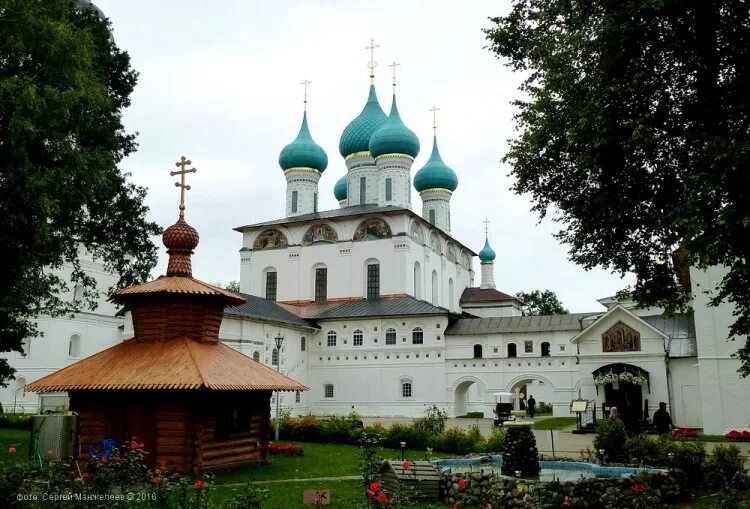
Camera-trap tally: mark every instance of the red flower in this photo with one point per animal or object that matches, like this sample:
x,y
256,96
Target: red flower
x,y
136,445
157,471
382,497
374,486
12,450
638,489
87,476
156,480
198,484
567,501
405,465
370,493
117,458
461,484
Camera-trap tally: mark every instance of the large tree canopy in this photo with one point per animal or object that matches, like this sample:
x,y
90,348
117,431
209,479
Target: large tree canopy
x,y
541,302
63,85
634,135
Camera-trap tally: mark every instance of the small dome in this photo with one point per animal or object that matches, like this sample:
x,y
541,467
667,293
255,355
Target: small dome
x,y
487,254
340,189
356,136
393,137
180,236
435,174
303,152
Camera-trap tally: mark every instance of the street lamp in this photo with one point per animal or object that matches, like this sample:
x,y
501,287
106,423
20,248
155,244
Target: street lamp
x,y
279,340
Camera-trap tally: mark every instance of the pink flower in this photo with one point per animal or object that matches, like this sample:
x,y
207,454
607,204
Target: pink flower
x,y
370,493
156,480
157,471
12,450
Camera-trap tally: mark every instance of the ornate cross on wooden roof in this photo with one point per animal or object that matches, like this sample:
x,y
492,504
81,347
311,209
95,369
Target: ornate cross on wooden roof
x,y
181,184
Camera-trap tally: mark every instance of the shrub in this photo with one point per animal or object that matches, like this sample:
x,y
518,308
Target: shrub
x,y
738,435
285,450
457,441
724,466
687,457
18,421
433,423
543,409
415,438
642,449
610,437
497,440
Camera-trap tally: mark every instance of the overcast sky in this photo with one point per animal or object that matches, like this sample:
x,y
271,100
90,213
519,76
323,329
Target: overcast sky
x,y
219,83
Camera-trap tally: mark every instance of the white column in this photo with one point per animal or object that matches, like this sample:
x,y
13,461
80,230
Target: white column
x,y
437,203
362,166
488,275
303,182
397,168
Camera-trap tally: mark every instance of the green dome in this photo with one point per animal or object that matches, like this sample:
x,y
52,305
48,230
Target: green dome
x,y
393,137
340,189
356,136
435,174
487,254
303,152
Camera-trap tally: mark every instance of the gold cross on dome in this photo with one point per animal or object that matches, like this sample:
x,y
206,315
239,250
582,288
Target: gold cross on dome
x,y
394,65
181,184
305,83
372,64
486,226
434,111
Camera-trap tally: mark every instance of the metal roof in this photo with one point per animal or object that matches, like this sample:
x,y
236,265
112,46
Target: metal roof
x,y
544,323
681,332
264,309
473,294
388,306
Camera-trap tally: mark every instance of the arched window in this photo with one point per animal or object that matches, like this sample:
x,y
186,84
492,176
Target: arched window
x,y
302,344
321,283
74,346
331,338
477,351
270,282
275,357
390,336
406,389
450,293
545,349
358,337
20,388
417,280
256,355
434,288
373,280
512,350
417,336
328,391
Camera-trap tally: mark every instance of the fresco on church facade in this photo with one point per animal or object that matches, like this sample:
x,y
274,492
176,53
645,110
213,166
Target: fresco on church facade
x,y
320,233
270,239
621,338
435,243
372,229
416,233
450,253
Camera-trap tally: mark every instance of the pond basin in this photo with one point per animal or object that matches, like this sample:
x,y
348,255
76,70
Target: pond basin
x,y
551,470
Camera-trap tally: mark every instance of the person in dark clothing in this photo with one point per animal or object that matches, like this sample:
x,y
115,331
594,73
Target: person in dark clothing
x,y
531,404
662,420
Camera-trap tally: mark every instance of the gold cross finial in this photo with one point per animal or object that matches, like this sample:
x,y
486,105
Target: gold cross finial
x,y
372,64
434,111
181,184
486,227
394,65
305,83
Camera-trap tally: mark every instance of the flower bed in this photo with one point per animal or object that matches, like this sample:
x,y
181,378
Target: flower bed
x,y
285,450
684,433
738,435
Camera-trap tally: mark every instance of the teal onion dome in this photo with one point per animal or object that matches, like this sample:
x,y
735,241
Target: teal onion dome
x,y
356,136
487,254
393,137
340,189
435,174
303,152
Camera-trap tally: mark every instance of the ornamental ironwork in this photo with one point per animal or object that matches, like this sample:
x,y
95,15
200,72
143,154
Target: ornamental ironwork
x,y
320,233
372,229
270,239
621,338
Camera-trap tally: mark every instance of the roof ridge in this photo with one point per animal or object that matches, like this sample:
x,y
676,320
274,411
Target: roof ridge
x,y
195,361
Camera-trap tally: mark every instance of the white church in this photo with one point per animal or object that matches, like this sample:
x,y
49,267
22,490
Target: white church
x,y
380,313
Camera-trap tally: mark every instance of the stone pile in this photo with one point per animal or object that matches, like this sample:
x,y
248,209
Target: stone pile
x,y
480,488
520,452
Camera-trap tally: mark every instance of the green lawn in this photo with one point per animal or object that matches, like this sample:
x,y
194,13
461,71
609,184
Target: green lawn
x,y
18,438
555,423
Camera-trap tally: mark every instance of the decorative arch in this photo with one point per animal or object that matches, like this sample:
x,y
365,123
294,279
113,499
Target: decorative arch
x,y
417,280
450,253
416,232
21,387
517,380
621,338
372,229
270,239
320,233
461,391
435,243
466,260
75,345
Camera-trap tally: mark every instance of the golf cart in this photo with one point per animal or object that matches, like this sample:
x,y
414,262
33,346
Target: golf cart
x,y
503,408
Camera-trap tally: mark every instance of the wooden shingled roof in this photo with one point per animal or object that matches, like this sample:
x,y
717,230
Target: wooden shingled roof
x,y
183,285
175,364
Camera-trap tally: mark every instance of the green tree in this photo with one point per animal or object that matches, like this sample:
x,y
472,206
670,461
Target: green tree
x,y
538,302
633,135
63,86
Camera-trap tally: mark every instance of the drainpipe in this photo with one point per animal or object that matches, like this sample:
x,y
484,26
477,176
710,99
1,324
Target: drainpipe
x,y
669,376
